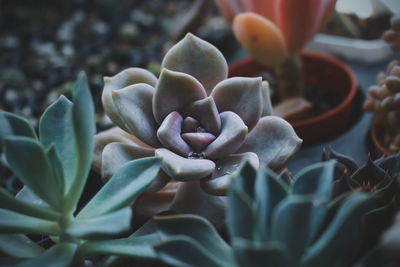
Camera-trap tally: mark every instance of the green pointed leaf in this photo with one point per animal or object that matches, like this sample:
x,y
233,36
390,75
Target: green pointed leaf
x,y
197,228
60,255
246,179
103,226
137,247
84,130
339,241
56,167
123,187
29,162
269,192
14,125
55,129
12,222
315,180
185,251
26,195
291,225
271,254
8,201
19,246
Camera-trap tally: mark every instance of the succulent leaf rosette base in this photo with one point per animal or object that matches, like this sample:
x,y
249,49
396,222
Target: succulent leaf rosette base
x,y
202,124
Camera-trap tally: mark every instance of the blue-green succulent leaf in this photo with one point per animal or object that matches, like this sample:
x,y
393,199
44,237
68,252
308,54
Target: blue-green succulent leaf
x,y
184,251
56,167
315,180
14,125
269,192
8,201
14,223
123,187
60,255
291,225
29,162
271,254
84,129
342,234
138,247
102,226
197,228
55,129
19,246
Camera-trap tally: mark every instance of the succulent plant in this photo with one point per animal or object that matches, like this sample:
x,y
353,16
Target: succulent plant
x,y
200,123
54,168
271,223
392,36
380,178
274,33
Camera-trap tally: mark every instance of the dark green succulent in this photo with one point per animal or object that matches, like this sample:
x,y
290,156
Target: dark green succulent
x,y
54,168
271,223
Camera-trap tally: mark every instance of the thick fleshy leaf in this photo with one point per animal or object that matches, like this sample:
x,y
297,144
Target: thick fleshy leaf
x,y
84,130
269,191
206,113
115,155
184,169
266,100
261,38
60,255
55,129
291,225
273,140
198,141
8,201
370,173
226,168
14,223
190,125
29,162
125,185
133,106
14,125
199,59
137,247
271,254
121,80
268,9
169,134
232,135
242,96
299,27
174,91
185,251
199,229
343,232
108,224
19,246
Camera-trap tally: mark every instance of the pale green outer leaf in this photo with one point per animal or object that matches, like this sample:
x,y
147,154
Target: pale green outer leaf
x,y
137,247
8,201
84,129
184,251
340,239
271,254
269,191
26,195
291,225
10,261
197,228
102,226
29,162
123,187
19,246
199,59
12,222
315,180
60,255
56,167
14,125
55,128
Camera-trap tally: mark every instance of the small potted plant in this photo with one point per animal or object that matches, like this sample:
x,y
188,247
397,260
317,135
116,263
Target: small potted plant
x,y
384,100
275,35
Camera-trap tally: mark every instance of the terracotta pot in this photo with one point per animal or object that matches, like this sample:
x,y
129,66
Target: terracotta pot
x,y
379,149
323,71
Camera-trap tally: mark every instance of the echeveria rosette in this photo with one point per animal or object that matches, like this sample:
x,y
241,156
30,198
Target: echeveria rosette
x,y
200,123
